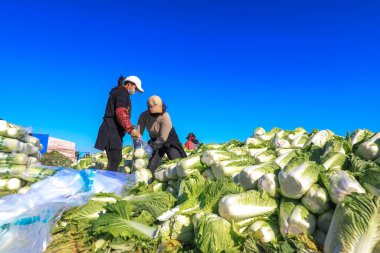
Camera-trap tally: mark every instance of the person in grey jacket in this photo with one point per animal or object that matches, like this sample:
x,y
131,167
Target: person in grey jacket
x,y
163,137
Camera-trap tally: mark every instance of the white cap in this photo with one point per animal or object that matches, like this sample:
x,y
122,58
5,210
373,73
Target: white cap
x,y
155,104
135,80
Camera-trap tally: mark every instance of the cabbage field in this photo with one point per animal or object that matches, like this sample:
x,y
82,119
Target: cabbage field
x,y
278,191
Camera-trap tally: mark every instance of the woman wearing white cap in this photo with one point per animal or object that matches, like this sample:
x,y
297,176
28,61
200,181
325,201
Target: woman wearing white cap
x,y
164,139
116,120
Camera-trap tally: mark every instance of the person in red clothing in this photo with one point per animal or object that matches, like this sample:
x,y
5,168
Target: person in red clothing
x,y
191,142
116,120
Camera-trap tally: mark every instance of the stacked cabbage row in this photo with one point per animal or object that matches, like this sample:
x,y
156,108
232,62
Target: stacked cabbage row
x,y
100,161
280,191
19,151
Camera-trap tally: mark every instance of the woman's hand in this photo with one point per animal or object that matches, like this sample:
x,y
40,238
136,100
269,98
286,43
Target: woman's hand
x,y
135,134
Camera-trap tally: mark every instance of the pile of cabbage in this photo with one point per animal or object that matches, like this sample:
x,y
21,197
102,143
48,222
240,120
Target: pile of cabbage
x,y
99,160
19,152
279,191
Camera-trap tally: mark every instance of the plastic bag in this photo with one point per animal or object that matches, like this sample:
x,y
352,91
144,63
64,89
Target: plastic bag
x,y
26,219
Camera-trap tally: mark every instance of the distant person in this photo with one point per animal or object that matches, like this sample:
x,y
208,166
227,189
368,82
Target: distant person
x,y
191,142
164,139
116,120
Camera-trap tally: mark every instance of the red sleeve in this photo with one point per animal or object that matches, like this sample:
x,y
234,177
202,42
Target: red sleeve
x,y
124,119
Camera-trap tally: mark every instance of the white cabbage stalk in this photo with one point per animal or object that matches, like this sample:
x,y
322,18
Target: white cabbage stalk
x,y
334,161
229,167
159,174
166,172
238,150
209,157
213,146
181,229
17,170
316,199
284,159
208,174
13,158
295,219
324,221
355,226
171,172
264,231
300,141
296,179
258,131
320,138
279,142
140,163
13,184
265,157
268,183
189,165
140,153
337,144
249,176
283,151
253,141
297,132
246,205
143,175
256,151
3,183
359,135
31,160
9,145
370,150
32,140
339,184
23,190
3,128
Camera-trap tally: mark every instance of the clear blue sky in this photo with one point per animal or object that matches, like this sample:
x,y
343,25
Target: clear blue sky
x,y
222,67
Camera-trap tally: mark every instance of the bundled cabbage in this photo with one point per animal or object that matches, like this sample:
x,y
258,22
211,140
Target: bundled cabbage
x,y
189,165
167,171
334,161
339,184
285,158
370,150
320,138
11,130
295,219
249,176
355,226
246,205
210,157
279,141
300,141
336,144
264,231
268,183
212,233
179,227
297,177
13,158
266,156
316,199
360,135
230,167
368,174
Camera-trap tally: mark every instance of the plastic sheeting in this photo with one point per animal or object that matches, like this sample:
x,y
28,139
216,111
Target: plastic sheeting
x,y
26,219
